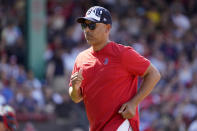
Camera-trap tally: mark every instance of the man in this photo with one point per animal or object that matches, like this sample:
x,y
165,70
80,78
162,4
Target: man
x,y
105,77
7,119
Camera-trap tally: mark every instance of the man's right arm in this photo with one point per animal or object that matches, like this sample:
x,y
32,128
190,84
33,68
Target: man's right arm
x,y
75,90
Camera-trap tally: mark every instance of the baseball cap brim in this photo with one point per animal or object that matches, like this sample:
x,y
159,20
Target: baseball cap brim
x,y
82,19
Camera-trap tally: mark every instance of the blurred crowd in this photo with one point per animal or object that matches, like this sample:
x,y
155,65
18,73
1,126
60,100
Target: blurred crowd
x,y
164,31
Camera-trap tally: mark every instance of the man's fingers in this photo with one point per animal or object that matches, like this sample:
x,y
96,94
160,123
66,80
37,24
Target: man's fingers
x,y
123,107
76,78
77,74
80,73
125,114
74,75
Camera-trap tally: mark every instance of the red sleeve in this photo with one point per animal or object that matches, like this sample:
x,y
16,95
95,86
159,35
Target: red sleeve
x,y
134,62
75,69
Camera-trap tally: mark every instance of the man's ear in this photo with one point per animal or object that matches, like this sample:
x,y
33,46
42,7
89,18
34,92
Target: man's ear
x,y
108,27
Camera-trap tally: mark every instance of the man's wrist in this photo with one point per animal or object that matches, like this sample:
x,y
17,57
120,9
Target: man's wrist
x,y
134,102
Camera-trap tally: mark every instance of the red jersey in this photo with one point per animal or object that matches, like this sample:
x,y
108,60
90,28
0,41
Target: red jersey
x,y
110,80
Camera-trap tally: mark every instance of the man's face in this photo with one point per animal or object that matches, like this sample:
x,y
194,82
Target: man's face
x,y
96,32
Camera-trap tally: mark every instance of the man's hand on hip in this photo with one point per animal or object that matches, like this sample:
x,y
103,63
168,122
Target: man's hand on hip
x,y
128,110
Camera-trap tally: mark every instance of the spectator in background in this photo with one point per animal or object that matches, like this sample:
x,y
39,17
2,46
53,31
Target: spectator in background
x,y
10,34
56,72
181,21
35,88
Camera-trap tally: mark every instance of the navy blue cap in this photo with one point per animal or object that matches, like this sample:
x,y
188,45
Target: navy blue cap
x,y
97,14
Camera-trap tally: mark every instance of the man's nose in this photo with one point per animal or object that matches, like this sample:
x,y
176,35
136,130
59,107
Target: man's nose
x,y
87,29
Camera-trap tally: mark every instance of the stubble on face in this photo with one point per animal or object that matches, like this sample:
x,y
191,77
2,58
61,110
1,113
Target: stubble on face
x,y
96,36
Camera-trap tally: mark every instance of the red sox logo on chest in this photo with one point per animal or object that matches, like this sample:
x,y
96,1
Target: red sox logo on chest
x,y
106,61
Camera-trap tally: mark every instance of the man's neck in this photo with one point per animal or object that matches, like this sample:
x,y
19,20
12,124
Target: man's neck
x,y
100,46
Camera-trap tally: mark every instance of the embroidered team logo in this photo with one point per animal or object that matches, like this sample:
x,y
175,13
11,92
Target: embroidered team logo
x,y
106,61
95,13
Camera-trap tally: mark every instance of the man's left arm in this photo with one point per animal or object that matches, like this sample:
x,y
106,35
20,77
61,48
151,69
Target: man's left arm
x,y
150,79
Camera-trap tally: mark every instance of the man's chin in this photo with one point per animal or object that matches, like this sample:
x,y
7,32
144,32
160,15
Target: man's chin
x,y
91,42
